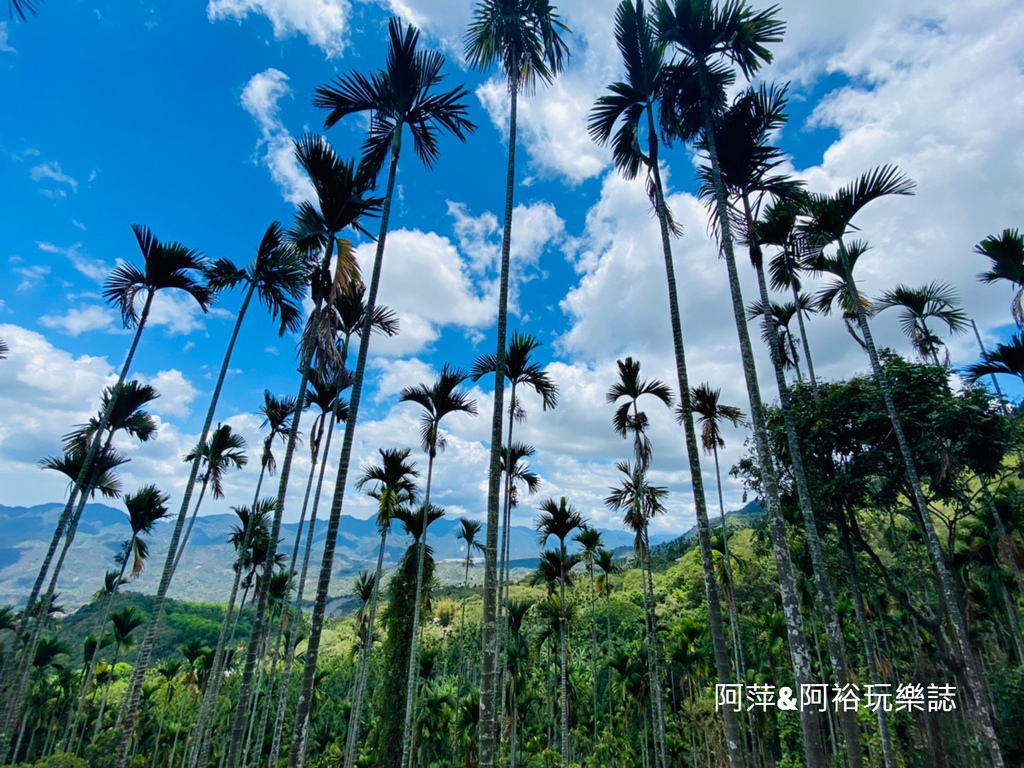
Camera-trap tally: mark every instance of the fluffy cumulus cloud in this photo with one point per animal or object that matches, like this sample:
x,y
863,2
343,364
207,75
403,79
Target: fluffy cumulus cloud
x,y
260,99
536,227
177,312
324,23
79,320
43,391
426,282
964,153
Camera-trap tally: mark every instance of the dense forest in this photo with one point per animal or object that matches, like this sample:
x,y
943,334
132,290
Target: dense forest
x,y
864,612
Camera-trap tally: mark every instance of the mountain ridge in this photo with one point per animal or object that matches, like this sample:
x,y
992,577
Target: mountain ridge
x,y
205,572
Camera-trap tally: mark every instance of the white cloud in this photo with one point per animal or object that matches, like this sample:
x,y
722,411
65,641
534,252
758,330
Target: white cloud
x,y
78,320
53,172
4,47
94,269
78,224
445,20
30,276
323,22
535,228
426,282
43,392
260,99
177,311
176,392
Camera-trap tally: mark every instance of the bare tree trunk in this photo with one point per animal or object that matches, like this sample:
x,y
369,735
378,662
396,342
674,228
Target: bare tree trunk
x,y
293,637
979,691
822,581
489,673
813,750
297,753
870,655
128,712
199,754
414,659
721,650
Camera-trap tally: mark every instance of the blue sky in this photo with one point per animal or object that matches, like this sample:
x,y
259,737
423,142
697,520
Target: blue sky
x,y
180,116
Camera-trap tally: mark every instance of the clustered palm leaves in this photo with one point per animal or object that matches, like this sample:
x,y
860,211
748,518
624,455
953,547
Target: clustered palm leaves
x,y
907,494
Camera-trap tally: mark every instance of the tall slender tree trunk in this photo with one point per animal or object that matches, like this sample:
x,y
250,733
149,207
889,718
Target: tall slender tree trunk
x,y
293,636
979,690
460,672
654,656
489,673
822,581
803,340
352,739
32,644
992,376
813,749
177,732
256,637
191,521
199,754
721,651
32,609
128,712
503,573
298,748
593,639
414,656
870,654
564,642
106,694
734,619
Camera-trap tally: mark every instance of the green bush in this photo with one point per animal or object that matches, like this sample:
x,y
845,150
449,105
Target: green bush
x,y
62,760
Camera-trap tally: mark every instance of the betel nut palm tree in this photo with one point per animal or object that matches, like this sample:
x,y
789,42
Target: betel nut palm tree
x,y
276,278
438,400
748,173
402,95
711,413
225,449
936,300
167,266
629,418
706,37
22,8
830,221
632,104
394,489
342,200
560,519
520,371
523,37
1006,252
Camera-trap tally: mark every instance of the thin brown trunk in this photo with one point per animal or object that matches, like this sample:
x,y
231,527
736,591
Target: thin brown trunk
x,y
799,656
733,737
297,753
489,673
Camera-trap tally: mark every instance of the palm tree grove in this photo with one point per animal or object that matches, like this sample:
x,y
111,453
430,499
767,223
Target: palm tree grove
x,y
615,383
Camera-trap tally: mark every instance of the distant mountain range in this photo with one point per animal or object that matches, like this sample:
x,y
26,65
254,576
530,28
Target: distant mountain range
x,y
205,571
